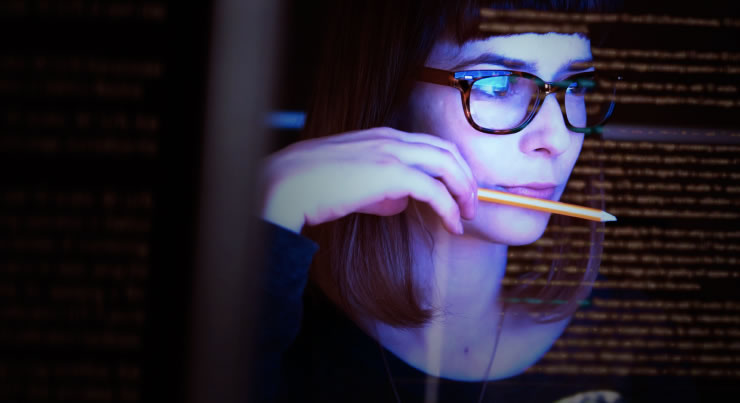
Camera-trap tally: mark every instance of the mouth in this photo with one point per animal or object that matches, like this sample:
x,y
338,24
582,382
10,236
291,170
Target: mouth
x,y
537,190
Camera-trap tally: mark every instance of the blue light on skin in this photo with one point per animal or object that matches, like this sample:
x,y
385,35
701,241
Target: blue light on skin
x,y
461,275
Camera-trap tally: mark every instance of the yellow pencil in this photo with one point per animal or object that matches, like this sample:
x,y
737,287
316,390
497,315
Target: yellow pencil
x,y
549,206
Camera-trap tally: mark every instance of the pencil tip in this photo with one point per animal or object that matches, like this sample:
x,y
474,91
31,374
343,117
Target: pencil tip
x,y
606,217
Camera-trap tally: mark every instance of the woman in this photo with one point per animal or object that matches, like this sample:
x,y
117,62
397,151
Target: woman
x,y
416,108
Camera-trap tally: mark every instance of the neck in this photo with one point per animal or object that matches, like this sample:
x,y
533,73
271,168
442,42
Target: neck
x,y
461,277
462,273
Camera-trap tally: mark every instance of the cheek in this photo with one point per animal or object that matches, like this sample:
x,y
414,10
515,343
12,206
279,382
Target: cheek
x,y
507,225
491,158
441,113
437,110
573,153
487,155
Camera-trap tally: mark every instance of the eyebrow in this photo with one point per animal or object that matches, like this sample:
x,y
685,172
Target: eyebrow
x,y
493,58
517,64
578,65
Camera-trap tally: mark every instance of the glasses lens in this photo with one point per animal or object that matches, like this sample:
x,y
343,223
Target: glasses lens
x,y
502,102
588,102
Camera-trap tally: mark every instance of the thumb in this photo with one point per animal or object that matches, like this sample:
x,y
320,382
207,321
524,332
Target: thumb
x,y
387,207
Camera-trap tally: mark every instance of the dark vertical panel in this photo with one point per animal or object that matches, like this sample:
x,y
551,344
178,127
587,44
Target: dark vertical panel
x,y
228,264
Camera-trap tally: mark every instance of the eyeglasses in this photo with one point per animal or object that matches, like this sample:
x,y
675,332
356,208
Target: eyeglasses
x,y
504,102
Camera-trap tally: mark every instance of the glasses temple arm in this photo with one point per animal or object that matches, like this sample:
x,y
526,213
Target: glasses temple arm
x,y
436,76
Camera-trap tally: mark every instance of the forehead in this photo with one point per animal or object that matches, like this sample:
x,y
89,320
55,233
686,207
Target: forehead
x,y
545,54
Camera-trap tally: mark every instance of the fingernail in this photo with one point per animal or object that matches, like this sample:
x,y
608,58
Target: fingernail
x,y
459,229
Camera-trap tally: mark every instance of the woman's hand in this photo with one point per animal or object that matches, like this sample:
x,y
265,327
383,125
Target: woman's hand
x,y
372,171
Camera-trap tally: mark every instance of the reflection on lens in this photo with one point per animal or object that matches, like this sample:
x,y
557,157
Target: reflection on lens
x,y
575,105
505,100
502,102
586,103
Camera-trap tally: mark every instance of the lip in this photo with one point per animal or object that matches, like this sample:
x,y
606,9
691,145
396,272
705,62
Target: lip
x,y
538,190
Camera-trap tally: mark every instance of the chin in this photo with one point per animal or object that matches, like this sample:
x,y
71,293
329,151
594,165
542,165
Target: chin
x,y
513,226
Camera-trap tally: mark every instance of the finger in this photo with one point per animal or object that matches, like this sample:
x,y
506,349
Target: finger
x,y
410,137
436,162
349,141
387,207
436,141
413,183
441,143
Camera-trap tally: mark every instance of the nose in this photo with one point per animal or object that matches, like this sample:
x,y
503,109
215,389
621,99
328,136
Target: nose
x,y
547,135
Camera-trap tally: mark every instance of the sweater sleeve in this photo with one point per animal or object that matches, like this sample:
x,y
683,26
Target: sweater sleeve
x,y
287,259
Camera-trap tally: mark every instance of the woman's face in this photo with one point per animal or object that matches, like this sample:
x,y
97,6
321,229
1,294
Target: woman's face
x,y
536,161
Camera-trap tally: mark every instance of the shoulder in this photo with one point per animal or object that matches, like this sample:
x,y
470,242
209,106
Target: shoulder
x,y
332,359
287,258
287,243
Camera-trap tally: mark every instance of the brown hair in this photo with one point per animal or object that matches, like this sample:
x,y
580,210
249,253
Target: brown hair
x,y
371,54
